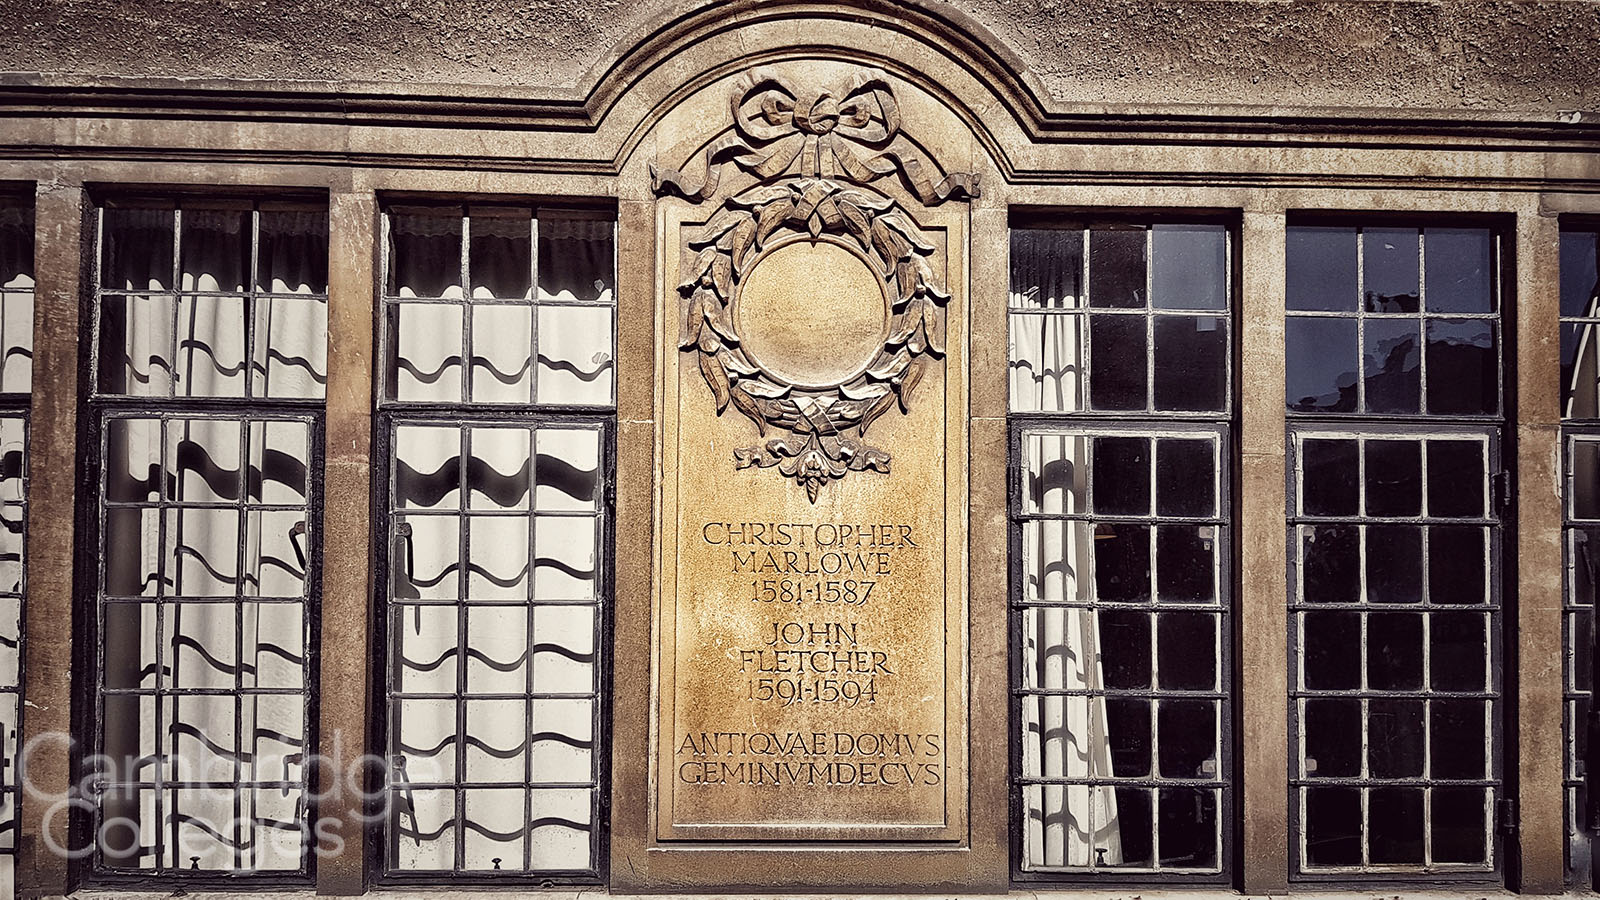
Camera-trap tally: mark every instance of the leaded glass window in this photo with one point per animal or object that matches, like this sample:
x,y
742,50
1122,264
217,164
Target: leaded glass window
x,y
498,536
1120,398
1395,500
210,366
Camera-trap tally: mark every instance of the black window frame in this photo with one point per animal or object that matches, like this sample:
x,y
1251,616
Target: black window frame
x,y
1151,422
97,408
1500,425
389,414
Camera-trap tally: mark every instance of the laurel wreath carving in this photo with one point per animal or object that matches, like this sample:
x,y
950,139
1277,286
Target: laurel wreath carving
x,y
809,151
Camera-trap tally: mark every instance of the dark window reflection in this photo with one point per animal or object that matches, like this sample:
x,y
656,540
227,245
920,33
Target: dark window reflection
x,y
1331,651
1322,362
1330,564
1128,720
1321,268
425,254
1332,823
1394,564
1187,651
1395,738
1455,478
1121,476
1330,473
1185,564
1125,648
1394,651
1188,827
1389,270
1394,478
1333,737
1460,270
1191,364
1185,477
1122,562
1392,365
1396,825
1463,375
1118,376
1116,268
1580,300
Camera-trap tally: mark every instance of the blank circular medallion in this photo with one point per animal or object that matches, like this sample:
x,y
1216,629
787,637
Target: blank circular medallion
x,y
814,315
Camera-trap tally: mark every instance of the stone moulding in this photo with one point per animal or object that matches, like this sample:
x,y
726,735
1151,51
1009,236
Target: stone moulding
x,y
811,150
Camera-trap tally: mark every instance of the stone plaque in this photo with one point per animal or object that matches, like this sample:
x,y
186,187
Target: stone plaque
x,y
811,559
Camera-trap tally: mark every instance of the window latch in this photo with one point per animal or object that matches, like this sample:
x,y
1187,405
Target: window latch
x,y
1505,816
1500,483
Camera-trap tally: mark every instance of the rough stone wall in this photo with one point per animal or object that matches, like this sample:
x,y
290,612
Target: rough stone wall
x,y
1442,54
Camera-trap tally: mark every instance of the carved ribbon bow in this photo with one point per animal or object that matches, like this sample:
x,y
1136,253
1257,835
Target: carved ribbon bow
x,y
850,132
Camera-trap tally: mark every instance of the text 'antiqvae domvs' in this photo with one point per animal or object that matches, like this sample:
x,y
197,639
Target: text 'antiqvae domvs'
x,y
798,446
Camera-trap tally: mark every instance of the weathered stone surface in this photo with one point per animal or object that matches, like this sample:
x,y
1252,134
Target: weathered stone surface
x,y
1528,56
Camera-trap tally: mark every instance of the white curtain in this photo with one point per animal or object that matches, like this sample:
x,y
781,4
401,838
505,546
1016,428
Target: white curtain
x,y
1064,735
238,568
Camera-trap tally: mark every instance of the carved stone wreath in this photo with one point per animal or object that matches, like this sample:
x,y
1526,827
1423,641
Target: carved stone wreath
x,y
808,150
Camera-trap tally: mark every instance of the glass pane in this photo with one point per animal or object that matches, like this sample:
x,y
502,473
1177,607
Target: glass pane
x,y
425,348
1128,723
291,348
1056,473
1191,363
1186,565
1329,477
577,259
1395,737
1330,564
1125,648
215,250
138,248
1046,269
1187,642
575,364
1463,374
1332,818
1394,651
1331,650
1322,362
1392,365
1458,738
500,263
1394,478
1121,476
1396,819
1189,267
1583,492
1580,275
211,335
425,254
1333,737
1389,270
1460,269
1458,651
137,348
1188,828
1580,377
1122,563
293,251
1321,268
1047,362
1456,561
1186,479
502,351
1117,268
1118,379
1394,564
1188,731
1459,825
1456,478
